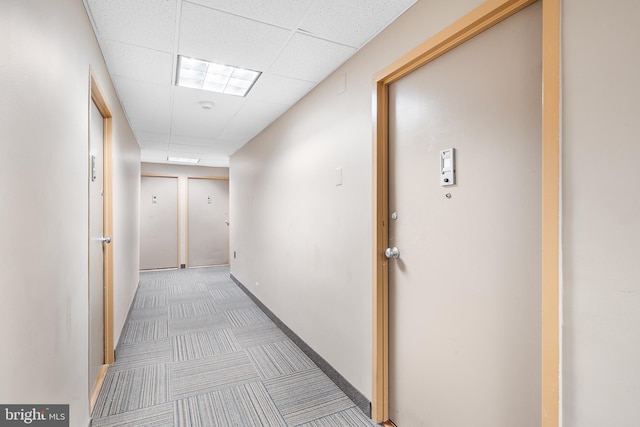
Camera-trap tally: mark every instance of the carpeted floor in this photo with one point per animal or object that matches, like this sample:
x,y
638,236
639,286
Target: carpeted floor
x,y
196,351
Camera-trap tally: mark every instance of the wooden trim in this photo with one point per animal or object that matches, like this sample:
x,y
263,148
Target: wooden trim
x,y
483,17
551,116
179,222
93,398
109,356
467,27
154,175
98,98
209,177
186,225
380,398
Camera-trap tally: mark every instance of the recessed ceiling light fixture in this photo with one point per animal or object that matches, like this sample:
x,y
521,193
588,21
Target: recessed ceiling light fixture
x,y
198,74
182,159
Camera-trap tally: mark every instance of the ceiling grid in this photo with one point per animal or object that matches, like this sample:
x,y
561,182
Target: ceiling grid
x,y
295,44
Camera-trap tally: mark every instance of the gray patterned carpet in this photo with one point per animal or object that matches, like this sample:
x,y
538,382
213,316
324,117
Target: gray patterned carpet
x,y
196,351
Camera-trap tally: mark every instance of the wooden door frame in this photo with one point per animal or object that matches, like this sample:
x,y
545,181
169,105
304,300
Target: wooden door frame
x,y
97,97
153,175
186,243
485,16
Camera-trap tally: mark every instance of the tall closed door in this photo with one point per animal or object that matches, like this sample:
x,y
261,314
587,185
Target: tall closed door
x,y
465,288
158,222
96,245
208,218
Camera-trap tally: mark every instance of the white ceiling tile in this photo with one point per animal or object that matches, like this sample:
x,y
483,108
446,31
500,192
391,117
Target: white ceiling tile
x,y
153,156
191,98
148,145
222,148
227,148
260,112
242,133
238,130
138,63
190,119
192,149
149,122
310,58
284,13
235,147
252,119
215,161
152,137
189,140
148,23
279,90
174,153
228,39
148,105
352,22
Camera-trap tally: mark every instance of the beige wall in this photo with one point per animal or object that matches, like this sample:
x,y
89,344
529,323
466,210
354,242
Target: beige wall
x,y
183,172
306,241
601,213
47,49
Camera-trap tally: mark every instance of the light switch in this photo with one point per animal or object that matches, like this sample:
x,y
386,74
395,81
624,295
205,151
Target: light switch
x,y
338,177
447,167
154,199
209,199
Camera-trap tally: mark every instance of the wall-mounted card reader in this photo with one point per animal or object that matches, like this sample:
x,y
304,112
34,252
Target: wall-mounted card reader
x,y
447,167
93,168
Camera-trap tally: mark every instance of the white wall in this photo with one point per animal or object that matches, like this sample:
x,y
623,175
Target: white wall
x,y
183,172
601,219
306,241
47,49
126,214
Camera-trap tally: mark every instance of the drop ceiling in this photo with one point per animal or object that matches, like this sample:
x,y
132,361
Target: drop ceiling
x,y
295,44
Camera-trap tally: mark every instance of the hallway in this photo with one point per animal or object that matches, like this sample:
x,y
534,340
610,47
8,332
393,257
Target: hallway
x,y
197,351
307,220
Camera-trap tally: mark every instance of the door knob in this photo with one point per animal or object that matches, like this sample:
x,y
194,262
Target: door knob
x,y
392,253
105,239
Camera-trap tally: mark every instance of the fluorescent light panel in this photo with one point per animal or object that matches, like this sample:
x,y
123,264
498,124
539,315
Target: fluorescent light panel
x,y
182,159
198,74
